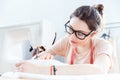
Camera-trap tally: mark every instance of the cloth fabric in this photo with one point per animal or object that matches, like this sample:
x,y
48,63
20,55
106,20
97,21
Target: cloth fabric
x,y
63,47
72,52
101,46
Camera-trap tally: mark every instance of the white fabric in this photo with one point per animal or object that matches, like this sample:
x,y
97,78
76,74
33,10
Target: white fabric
x,y
30,76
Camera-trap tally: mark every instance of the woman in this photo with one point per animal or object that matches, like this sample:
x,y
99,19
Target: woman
x,y
81,47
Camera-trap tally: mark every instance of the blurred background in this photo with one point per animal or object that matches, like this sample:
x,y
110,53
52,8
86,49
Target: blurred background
x,y
37,21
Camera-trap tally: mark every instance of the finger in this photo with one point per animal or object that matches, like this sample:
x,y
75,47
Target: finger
x,y
45,57
20,63
19,69
49,57
42,56
52,56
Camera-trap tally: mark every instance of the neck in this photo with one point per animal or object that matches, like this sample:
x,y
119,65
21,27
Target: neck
x,y
85,47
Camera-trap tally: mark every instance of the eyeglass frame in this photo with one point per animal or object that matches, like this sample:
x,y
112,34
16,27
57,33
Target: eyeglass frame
x,y
76,31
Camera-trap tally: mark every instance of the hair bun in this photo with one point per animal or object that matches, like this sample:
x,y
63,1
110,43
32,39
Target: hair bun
x,y
100,8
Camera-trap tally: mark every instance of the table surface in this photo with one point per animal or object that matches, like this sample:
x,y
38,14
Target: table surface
x,y
30,76
1,78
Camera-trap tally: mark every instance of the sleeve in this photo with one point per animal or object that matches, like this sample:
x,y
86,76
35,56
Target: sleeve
x,y
104,47
59,48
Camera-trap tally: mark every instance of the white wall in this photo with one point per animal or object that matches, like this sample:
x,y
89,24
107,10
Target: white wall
x,y
56,11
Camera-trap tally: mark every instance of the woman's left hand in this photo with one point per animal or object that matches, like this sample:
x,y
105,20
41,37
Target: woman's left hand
x,y
27,67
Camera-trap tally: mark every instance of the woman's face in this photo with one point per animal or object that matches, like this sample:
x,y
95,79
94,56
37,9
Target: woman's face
x,y
79,25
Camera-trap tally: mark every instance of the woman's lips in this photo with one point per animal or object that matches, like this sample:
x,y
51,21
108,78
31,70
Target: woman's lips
x,y
73,42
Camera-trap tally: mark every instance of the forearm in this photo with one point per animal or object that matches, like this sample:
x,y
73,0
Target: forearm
x,y
79,69
42,70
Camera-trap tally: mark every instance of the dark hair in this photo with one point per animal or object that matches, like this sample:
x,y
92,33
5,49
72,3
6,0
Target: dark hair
x,y
92,15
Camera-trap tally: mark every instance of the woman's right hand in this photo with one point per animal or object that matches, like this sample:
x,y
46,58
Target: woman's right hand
x,y
45,56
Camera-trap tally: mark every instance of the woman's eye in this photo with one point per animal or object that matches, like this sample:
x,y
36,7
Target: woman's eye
x,y
80,34
69,30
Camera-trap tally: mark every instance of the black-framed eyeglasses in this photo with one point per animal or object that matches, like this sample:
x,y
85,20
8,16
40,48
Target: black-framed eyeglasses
x,y
79,34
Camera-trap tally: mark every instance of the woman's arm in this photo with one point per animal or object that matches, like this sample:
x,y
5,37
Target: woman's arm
x,y
100,66
79,69
59,48
104,62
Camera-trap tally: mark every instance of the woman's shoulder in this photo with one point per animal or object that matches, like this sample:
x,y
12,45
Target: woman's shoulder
x,y
103,46
102,41
64,39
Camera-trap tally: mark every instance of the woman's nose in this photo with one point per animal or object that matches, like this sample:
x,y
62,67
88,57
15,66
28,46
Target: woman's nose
x,y
73,36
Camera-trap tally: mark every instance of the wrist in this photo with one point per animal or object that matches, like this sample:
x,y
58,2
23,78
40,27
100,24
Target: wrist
x,y
53,70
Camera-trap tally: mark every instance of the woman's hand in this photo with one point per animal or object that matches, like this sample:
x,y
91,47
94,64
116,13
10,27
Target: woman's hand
x,y
45,56
27,67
